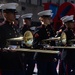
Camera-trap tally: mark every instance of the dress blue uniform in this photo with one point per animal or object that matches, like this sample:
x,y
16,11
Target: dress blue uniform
x,y
10,62
45,63
59,32
28,56
69,54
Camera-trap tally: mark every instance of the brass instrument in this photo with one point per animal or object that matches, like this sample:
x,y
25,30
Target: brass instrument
x,y
14,42
28,38
33,50
52,39
62,47
16,39
63,38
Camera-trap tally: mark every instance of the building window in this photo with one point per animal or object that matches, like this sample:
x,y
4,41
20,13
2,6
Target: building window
x,y
65,0
28,1
48,0
39,2
58,2
72,1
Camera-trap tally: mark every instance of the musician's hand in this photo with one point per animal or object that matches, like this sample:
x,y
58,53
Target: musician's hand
x,y
9,49
12,50
52,47
4,50
48,47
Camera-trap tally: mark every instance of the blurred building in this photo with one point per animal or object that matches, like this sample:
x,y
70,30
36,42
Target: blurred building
x,y
34,6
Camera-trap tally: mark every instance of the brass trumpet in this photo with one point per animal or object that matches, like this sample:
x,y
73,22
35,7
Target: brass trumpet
x,y
28,38
63,38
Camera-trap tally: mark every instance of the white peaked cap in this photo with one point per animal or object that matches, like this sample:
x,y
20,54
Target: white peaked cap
x,y
67,18
1,5
28,15
9,6
46,12
17,16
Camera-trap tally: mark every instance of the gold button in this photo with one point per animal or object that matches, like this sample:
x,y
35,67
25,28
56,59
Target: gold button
x,y
46,29
15,31
14,28
16,35
9,33
48,34
23,54
16,42
9,23
49,43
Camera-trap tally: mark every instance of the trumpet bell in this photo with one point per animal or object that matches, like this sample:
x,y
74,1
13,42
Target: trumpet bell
x,y
63,38
28,38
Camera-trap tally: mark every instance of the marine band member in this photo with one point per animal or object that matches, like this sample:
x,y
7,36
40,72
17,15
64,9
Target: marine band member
x,y
10,63
45,63
69,54
28,56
